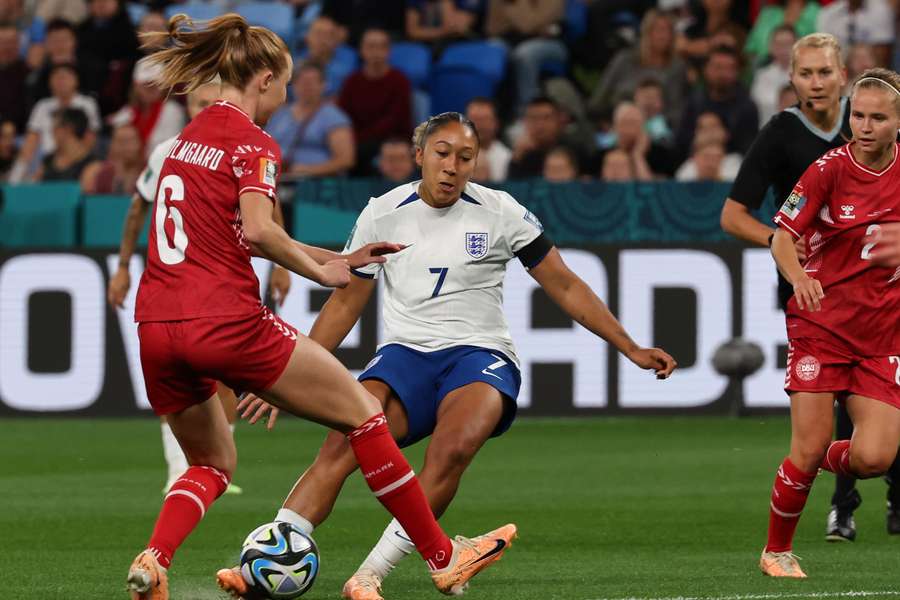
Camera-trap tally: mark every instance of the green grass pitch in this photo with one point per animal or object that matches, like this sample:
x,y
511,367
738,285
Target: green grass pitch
x,y
606,508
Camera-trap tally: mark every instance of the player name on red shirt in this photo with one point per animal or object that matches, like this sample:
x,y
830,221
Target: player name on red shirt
x,y
195,153
836,206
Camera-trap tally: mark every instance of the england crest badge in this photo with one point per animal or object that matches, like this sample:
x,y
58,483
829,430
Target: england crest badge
x,y
477,245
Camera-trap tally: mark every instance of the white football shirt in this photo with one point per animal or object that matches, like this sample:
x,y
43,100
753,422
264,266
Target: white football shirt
x,y
149,177
446,289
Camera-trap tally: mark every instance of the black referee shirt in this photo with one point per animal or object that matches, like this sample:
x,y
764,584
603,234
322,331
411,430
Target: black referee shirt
x,y
779,156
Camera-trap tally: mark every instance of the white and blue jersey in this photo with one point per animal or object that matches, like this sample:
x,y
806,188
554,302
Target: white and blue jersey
x,y
446,289
443,302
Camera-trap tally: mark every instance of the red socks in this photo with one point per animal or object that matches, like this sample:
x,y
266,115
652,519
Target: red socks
x,y
393,482
788,499
837,459
185,504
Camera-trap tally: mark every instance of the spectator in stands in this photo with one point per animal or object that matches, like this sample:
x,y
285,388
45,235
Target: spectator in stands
x,y
710,17
153,20
787,97
724,95
396,161
13,72
7,148
543,129
72,147
119,172
531,29
31,29
353,18
156,117
629,135
315,136
618,166
321,48
799,15
39,140
61,47
654,57
108,37
73,11
561,165
860,57
768,80
493,153
709,132
650,98
860,22
438,22
378,100
706,162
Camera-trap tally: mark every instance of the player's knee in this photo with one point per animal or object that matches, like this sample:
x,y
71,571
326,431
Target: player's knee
x,y
453,455
336,450
223,459
869,463
807,454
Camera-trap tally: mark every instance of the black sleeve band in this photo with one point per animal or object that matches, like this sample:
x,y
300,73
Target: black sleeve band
x,y
362,274
532,254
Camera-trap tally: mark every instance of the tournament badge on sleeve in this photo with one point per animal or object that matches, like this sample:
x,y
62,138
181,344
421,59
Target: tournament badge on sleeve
x,y
477,245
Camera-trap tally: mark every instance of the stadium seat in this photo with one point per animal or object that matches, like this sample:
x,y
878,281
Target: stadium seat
x,y
452,86
136,12
421,106
102,219
414,60
41,214
277,16
487,58
575,22
198,11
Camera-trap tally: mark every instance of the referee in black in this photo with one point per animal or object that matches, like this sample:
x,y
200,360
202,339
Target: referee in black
x,y
791,141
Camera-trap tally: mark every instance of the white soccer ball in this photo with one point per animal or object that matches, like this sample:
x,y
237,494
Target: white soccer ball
x,y
279,561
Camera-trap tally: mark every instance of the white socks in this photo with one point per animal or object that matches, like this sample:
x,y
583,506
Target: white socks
x,y
390,550
286,515
175,461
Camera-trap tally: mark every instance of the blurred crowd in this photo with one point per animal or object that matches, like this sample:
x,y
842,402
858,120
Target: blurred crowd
x,y
613,90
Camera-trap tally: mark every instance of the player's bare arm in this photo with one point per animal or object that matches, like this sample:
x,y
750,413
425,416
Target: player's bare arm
x,y
120,282
886,249
367,255
580,302
737,220
341,312
807,290
272,242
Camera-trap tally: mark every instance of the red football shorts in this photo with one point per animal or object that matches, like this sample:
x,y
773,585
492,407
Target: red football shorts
x,y
818,366
182,360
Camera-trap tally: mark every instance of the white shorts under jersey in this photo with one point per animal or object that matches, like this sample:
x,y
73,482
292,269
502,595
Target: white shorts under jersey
x,y
446,289
149,177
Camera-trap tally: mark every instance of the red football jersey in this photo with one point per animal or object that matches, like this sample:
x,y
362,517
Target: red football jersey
x,y
198,263
835,205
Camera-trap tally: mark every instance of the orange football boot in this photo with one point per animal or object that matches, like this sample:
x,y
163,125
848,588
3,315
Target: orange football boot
x,y
470,557
781,564
147,579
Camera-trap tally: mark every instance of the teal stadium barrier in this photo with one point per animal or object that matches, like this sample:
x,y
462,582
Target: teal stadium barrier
x,y
43,215
324,211
572,213
104,216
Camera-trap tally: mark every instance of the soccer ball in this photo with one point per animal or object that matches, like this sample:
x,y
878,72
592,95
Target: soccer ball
x,y
278,561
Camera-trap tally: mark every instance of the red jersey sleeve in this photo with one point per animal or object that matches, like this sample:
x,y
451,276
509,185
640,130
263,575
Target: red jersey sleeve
x,y
805,201
257,166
